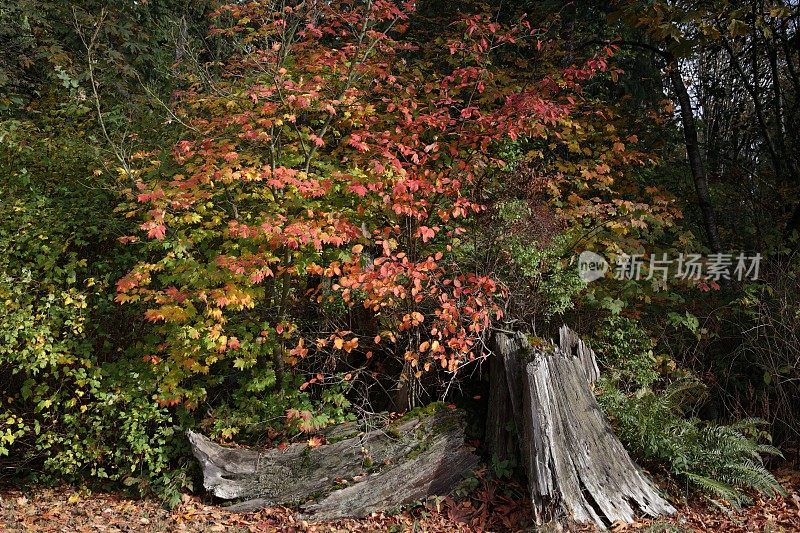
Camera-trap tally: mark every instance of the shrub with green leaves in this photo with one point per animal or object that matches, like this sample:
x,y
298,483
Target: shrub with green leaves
x,y
75,395
68,408
723,461
627,352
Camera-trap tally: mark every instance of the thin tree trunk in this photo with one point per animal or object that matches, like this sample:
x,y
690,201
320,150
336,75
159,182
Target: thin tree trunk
x,y
694,156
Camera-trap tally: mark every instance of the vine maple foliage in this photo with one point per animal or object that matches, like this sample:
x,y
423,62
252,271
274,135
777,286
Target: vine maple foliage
x,y
315,209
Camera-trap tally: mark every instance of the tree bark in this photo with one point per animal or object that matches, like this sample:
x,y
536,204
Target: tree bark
x,y
502,435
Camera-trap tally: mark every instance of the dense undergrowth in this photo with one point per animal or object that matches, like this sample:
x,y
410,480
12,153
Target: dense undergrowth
x,y
262,221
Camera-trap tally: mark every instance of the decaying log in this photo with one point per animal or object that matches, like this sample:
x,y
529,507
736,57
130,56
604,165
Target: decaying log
x,y
575,464
420,455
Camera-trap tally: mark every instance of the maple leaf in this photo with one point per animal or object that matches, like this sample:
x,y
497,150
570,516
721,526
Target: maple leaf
x,y
359,189
157,231
426,233
356,142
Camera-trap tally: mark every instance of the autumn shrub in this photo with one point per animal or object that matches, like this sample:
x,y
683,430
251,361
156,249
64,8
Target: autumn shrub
x,y
296,237
313,227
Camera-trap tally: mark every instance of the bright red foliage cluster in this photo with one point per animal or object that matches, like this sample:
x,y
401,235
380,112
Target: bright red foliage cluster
x,y
340,164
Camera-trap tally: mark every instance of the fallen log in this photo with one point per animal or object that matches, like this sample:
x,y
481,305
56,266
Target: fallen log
x,y
576,466
422,454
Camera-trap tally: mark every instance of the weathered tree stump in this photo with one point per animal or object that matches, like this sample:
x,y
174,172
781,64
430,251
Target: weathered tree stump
x,y
506,371
422,454
502,435
575,464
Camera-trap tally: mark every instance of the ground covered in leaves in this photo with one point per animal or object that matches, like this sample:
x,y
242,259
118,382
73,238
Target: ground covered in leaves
x,y
489,508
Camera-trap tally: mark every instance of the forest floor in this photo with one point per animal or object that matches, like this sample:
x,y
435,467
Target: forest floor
x,y
70,510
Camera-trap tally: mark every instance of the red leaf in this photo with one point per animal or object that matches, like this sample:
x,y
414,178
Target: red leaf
x,y
157,232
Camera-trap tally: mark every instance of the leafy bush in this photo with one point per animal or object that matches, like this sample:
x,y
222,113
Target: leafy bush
x,y
720,460
78,392
76,399
61,401
626,352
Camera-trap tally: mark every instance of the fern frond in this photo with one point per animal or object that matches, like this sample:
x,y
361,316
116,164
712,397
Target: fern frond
x,y
718,488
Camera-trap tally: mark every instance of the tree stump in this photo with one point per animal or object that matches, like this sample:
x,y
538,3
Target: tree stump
x,y
506,371
575,464
502,435
422,454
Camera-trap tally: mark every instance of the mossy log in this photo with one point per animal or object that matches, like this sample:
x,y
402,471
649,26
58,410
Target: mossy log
x,y
576,466
422,454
